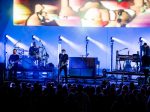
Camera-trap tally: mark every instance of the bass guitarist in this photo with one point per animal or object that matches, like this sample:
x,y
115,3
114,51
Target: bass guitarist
x,y
63,62
13,65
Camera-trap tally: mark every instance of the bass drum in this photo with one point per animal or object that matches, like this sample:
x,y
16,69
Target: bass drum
x,y
27,62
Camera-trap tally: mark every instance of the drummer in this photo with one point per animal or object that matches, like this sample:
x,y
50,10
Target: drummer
x,y
34,52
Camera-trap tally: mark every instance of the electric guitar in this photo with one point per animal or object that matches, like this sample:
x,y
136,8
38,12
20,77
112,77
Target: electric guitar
x,y
12,63
36,55
62,64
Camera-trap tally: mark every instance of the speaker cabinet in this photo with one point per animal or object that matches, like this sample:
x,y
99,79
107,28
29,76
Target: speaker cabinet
x,y
82,66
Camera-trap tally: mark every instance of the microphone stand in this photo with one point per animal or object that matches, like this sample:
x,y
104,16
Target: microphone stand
x,y
5,53
111,46
44,49
86,48
140,42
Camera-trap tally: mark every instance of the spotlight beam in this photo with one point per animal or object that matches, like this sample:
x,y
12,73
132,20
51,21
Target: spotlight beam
x,y
73,45
11,39
36,38
146,41
14,41
39,40
98,44
121,41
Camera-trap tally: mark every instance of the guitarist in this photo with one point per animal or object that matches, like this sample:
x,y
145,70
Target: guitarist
x,y
13,65
63,62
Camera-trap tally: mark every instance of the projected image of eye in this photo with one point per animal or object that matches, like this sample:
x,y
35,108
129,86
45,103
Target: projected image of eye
x,y
82,13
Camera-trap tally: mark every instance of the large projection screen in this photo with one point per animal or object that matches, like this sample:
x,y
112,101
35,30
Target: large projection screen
x,y
82,13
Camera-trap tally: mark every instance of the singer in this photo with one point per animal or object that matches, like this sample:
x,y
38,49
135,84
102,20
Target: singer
x,y
13,65
63,62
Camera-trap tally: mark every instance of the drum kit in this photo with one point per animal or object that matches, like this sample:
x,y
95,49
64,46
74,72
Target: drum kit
x,y
30,62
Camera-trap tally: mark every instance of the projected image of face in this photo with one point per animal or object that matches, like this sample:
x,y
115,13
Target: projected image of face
x,y
37,13
82,13
44,14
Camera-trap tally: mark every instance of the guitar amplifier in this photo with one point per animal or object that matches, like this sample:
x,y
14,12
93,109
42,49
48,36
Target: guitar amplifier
x,y
82,66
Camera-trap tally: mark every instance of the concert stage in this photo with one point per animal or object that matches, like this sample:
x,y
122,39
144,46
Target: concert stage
x,y
50,75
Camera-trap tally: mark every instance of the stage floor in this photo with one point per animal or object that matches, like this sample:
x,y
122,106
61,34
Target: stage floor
x,y
51,75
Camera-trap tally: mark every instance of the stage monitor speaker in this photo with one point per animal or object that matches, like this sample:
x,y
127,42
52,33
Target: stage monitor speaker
x,y
82,66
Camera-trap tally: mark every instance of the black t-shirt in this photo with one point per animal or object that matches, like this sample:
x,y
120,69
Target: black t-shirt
x,y
145,56
63,58
146,50
33,51
14,58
